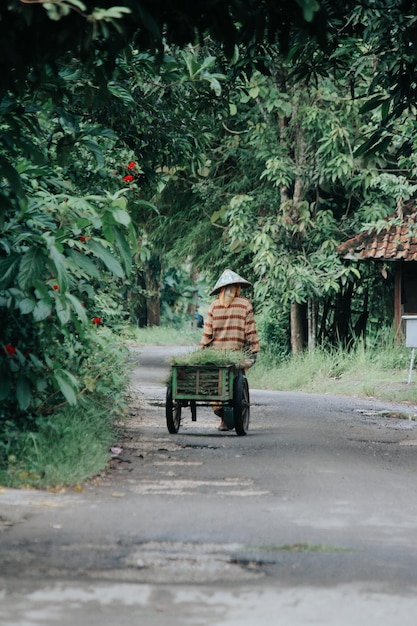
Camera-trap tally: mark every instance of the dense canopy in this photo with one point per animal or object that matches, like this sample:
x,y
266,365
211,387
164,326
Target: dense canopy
x,y
34,33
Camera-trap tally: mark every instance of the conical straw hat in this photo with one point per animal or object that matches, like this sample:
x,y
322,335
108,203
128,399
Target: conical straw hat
x,y
229,277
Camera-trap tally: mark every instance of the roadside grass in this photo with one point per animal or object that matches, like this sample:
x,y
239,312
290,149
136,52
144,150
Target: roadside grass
x,y
65,450
71,444
380,373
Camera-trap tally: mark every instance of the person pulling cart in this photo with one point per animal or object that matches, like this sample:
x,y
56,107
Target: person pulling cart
x,y
230,324
218,381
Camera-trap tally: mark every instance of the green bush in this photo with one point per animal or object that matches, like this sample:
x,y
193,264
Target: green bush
x,y
273,331
70,443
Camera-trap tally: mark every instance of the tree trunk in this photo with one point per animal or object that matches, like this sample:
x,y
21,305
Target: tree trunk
x,y
312,324
153,303
297,327
342,327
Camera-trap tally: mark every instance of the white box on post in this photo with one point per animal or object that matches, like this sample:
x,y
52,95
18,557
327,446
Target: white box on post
x,y
410,330
410,338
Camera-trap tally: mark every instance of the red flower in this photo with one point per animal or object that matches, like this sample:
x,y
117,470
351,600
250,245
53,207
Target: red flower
x,y
11,350
83,238
131,165
128,178
55,287
96,320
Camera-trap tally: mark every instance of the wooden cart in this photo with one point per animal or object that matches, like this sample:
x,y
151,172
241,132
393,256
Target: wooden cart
x,y
208,385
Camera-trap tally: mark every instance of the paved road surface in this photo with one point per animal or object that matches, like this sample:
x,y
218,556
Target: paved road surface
x,y
310,519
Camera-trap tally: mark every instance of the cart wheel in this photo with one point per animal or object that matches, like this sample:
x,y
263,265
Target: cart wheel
x,y
172,413
241,404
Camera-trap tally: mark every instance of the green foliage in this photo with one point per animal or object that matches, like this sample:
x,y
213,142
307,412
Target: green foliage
x,y
71,443
181,294
273,330
65,247
286,187
35,34
51,271
71,205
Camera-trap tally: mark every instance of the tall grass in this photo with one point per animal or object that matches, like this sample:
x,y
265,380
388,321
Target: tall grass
x,y
379,371
65,450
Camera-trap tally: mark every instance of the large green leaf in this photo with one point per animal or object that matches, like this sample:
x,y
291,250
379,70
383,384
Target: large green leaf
x,y
66,388
42,310
63,310
108,232
8,172
36,362
23,392
60,265
374,103
77,306
120,92
95,150
26,305
121,217
8,270
124,251
108,259
84,263
31,267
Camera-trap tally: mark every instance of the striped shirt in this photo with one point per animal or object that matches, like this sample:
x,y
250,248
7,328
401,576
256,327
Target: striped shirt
x,y
231,328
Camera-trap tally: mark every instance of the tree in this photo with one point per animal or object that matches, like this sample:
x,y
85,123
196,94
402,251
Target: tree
x,y
283,187
35,33
61,233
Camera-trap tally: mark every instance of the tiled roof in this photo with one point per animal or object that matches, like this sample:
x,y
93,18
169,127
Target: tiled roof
x,y
397,241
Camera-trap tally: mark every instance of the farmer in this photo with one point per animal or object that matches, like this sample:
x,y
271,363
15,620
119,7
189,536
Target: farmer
x,y
230,323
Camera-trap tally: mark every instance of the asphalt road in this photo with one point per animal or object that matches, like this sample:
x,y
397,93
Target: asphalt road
x,y
309,519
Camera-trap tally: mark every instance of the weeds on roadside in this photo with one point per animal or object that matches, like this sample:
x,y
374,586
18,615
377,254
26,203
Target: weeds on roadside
x,y
379,370
71,443
63,450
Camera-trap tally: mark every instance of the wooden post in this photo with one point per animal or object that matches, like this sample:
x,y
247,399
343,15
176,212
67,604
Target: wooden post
x,y
397,301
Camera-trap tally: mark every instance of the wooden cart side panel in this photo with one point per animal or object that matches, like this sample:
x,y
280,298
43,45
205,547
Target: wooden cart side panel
x,y
202,383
